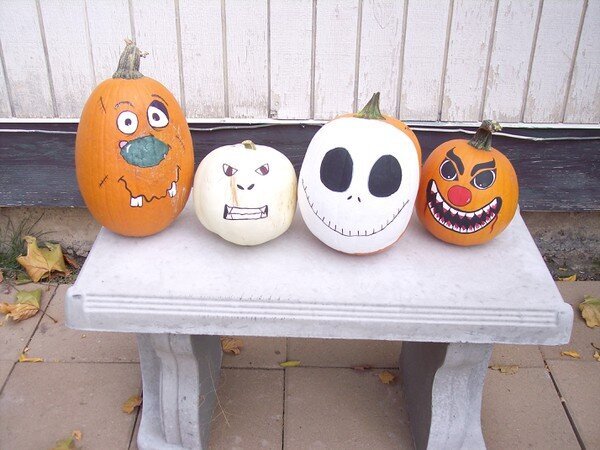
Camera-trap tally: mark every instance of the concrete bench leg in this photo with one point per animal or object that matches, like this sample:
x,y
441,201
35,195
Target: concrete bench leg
x,y
443,384
179,375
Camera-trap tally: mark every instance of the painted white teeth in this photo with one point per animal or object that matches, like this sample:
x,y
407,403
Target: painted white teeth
x,y
461,214
486,208
438,197
434,188
445,206
478,213
173,189
469,215
136,201
494,203
454,211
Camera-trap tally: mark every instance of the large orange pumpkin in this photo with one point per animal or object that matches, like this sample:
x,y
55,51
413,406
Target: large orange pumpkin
x,y
469,191
133,154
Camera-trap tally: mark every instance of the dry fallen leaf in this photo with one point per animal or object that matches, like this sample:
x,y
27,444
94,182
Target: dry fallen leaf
x,y
1,277
27,305
569,278
132,402
24,358
71,261
289,364
65,444
41,262
571,353
231,345
387,377
597,355
77,434
590,311
510,369
22,278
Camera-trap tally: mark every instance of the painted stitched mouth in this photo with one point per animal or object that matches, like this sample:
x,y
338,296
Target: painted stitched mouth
x,y
138,201
345,231
237,213
465,222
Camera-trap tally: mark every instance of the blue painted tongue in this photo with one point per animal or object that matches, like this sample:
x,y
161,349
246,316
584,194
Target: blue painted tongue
x,y
146,151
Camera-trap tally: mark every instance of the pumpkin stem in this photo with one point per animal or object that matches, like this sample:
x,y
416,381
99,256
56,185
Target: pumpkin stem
x,y
371,109
483,137
249,145
129,62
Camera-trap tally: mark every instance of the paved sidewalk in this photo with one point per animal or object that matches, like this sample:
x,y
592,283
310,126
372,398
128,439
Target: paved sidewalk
x,y
551,402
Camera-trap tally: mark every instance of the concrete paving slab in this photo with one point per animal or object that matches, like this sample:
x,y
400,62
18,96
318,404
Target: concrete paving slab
x,y
249,413
521,355
14,336
523,411
343,409
44,402
55,342
579,384
258,353
344,353
5,368
582,335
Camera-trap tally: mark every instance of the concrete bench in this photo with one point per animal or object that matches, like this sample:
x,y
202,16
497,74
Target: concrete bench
x,y
183,288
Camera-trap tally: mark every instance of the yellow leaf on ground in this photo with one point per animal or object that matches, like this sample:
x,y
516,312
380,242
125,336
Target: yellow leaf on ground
x,y
27,305
597,355
132,402
387,377
65,444
77,434
1,277
24,358
289,364
40,262
571,353
590,311
569,278
510,369
231,345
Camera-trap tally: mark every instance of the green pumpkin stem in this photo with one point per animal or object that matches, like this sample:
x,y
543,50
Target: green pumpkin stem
x,y
483,137
129,62
249,145
371,109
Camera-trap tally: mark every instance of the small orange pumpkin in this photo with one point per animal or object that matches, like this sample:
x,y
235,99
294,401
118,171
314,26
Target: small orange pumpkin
x,y
469,191
133,153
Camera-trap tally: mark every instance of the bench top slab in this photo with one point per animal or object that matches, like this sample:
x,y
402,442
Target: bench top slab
x,y
188,280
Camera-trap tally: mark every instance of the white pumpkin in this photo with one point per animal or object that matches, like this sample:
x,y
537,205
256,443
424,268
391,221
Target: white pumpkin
x,y
359,181
245,193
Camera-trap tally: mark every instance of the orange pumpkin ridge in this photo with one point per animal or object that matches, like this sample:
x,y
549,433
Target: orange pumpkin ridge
x,y
469,191
133,152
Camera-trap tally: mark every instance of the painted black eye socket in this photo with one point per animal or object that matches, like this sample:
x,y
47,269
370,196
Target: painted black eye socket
x,y
336,169
448,171
385,177
484,179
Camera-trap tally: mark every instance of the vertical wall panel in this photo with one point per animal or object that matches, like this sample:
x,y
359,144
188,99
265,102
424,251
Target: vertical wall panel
x,y
335,57
424,56
380,48
291,53
552,62
247,55
583,103
509,62
109,25
156,33
25,62
65,28
202,57
4,103
468,51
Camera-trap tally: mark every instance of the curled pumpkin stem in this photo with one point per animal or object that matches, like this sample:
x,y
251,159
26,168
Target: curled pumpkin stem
x,y
371,109
249,145
129,62
483,137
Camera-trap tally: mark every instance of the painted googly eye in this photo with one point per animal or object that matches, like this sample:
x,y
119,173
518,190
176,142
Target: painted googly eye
x,y
484,179
448,171
263,170
158,116
127,122
228,170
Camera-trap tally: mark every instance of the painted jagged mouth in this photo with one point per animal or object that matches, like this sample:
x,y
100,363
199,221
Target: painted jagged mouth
x,y
138,201
236,213
465,222
346,232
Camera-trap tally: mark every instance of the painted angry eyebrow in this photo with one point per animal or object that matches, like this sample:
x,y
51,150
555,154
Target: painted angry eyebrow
x,y
124,102
454,158
486,165
158,96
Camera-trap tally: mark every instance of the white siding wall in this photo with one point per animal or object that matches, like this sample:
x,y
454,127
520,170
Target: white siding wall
x,y
535,61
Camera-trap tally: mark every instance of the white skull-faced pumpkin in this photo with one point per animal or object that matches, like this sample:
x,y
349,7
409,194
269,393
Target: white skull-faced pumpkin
x,y
359,181
245,193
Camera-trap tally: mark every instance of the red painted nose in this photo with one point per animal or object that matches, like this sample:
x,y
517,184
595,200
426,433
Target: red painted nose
x,y
458,195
